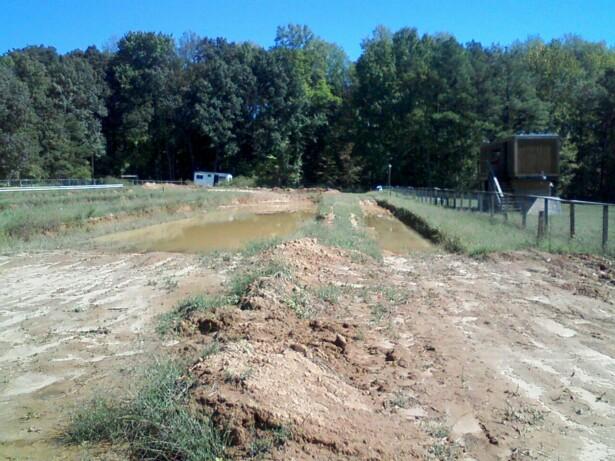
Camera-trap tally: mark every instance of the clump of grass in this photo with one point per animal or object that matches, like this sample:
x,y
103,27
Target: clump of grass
x,y
273,438
155,424
329,293
241,181
300,303
237,377
169,322
210,349
242,280
401,399
258,246
379,312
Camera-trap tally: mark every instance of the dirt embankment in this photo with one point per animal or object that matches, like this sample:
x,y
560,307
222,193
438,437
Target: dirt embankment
x,y
429,356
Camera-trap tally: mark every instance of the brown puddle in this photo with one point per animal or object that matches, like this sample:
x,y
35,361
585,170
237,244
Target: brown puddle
x,y
217,231
394,236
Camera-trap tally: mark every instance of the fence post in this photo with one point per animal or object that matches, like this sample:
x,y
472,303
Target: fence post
x,y
605,226
524,216
546,214
491,205
572,229
541,225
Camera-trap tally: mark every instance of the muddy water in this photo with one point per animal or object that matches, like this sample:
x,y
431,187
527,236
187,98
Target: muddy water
x,y
394,236
217,231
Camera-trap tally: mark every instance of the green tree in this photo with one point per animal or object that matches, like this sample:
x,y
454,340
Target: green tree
x,y
145,97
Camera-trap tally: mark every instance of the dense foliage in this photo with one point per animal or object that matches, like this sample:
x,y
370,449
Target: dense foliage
x,y
301,113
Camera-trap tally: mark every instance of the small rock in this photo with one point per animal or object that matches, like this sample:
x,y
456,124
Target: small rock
x,y
299,348
429,348
340,342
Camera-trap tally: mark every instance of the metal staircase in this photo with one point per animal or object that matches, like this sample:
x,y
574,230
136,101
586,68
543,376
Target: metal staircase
x,y
504,194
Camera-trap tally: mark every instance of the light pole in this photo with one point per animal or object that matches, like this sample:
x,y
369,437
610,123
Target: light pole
x,y
390,166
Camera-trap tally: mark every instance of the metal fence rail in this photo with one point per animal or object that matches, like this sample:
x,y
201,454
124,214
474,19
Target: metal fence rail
x,y
56,188
64,182
587,224
51,182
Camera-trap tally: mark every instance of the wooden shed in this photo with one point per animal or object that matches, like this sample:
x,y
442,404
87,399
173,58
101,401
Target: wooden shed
x,y
522,164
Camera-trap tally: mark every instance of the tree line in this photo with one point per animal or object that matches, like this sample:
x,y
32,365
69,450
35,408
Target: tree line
x,y
301,113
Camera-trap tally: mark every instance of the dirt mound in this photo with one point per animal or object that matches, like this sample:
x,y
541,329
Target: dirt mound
x,y
314,263
320,379
369,368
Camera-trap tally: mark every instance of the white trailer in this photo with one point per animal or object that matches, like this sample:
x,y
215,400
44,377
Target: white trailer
x,y
210,178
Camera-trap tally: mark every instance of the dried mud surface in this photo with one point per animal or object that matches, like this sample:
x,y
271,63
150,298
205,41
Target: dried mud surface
x,y
72,323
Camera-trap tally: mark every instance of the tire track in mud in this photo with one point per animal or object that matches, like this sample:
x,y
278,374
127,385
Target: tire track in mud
x,y
73,321
524,322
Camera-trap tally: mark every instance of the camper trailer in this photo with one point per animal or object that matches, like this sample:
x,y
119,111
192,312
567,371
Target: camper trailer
x,y
210,178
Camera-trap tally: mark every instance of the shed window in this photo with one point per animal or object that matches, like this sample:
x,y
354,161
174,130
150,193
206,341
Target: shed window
x,y
199,176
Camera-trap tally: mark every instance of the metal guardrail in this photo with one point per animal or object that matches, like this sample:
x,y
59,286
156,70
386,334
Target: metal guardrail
x,y
64,182
56,188
572,220
51,182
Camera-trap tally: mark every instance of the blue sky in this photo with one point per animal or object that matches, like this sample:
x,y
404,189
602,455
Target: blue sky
x,y
70,24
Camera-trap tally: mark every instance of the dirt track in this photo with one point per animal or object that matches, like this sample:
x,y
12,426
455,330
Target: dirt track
x,y
428,355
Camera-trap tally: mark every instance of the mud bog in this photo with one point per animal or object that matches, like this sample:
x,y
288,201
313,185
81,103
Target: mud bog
x,y
394,236
218,231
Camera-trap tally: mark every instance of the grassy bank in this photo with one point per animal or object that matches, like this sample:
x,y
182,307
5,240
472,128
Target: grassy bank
x,y
154,423
339,223
477,233
36,217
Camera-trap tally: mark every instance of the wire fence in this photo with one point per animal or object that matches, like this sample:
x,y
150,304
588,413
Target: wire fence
x,y
586,226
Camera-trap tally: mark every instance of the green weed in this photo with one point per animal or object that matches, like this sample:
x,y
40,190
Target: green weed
x,y
328,293
273,438
258,246
242,280
169,322
155,424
